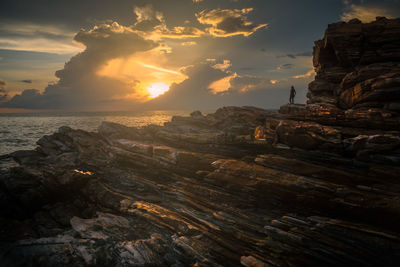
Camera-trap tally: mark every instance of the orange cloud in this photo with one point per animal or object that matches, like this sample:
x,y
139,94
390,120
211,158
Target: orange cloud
x,y
309,74
228,22
222,85
226,64
179,32
152,23
140,71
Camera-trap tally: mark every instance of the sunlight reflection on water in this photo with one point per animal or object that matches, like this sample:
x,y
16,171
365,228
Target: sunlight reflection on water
x,y
21,131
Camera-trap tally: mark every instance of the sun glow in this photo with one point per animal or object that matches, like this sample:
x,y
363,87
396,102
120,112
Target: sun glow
x,y
144,75
157,89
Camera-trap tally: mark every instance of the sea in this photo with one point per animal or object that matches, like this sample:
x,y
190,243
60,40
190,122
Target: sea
x,y
20,131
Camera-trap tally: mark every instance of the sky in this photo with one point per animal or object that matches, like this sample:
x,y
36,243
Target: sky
x,y
164,54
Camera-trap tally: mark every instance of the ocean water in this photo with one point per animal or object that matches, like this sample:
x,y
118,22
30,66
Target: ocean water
x,y
21,131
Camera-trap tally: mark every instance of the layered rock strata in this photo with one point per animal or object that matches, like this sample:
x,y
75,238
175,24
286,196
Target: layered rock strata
x,y
200,192
313,185
357,78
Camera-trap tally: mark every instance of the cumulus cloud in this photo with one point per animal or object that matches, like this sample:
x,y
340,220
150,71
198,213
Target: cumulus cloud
x,y
118,63
3,91
199,90
78,84
153,23
147,18
228,22
30,98
365,13
233,83
194,91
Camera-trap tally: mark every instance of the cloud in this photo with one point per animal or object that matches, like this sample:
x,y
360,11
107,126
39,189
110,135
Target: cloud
x,y
228,22
293,56
3,91
285,66
191,43
178,32
309,74
247,83
235,83
193,92
30,98
207,88
365,13
78,84
223,85
153,23
223,66
26,81
38,38
147,18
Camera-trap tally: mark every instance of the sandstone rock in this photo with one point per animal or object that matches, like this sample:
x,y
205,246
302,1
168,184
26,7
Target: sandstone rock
x,y
358,66
307,135
293,109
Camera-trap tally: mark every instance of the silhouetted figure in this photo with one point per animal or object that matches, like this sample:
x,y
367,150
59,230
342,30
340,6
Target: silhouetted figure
x,y
292,95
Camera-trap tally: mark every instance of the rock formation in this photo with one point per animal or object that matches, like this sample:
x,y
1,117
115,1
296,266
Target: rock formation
x,y
313,185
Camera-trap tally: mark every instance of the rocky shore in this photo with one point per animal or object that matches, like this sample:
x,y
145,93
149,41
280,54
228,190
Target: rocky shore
x,y
313,185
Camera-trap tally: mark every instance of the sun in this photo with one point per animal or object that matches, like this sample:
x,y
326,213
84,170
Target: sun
x,y
157,89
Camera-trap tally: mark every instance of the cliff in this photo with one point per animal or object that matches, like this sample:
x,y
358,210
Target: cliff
x,y
316,184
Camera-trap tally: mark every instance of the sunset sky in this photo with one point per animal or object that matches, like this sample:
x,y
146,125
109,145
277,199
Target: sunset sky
x,y
164,54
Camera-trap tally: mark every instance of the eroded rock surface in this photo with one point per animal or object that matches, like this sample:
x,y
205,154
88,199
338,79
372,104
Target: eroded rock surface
x,y
314,185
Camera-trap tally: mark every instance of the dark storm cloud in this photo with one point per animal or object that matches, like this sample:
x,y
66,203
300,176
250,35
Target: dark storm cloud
x,y
78,84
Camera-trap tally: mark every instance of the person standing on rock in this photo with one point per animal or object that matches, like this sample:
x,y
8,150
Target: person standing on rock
x,y
292,95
